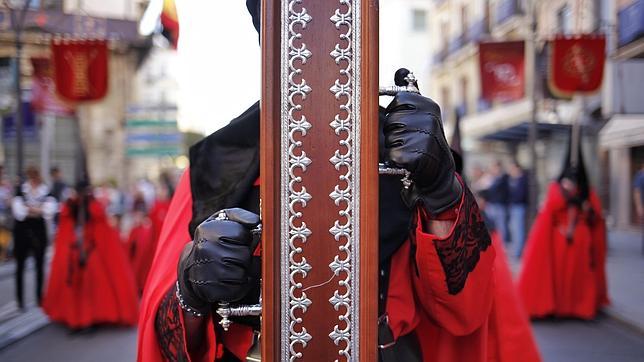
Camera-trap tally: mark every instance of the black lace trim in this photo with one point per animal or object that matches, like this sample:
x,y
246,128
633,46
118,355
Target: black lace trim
x,y
459,253
169,330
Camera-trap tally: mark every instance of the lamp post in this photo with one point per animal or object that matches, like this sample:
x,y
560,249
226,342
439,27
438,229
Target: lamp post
x,y
533,186
17,23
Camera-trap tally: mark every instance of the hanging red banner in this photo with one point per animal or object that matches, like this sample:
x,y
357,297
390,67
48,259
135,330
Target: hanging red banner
x,y
81,71
502,66
576,64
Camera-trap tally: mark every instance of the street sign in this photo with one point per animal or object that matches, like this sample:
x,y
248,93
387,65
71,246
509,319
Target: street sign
x,y
150,133
150,123
172,138
154,151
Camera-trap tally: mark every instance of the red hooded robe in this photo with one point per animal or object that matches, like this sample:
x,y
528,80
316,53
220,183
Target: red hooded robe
x,y
562,278
445,322
101,291
510,338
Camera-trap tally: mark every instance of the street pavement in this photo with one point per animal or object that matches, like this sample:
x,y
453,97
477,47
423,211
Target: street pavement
x,y
55,343
559,341
616,335
625,274
601,340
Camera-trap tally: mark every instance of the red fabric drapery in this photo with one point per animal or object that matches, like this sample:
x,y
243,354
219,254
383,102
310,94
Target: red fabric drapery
x,y
576,64
81,71
502,66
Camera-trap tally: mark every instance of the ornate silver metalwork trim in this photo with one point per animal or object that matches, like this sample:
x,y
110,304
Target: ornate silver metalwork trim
x,y
346,194
294,196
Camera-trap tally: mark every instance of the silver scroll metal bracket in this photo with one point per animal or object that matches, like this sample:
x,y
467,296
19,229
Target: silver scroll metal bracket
x,y
394,171
395,89
225,311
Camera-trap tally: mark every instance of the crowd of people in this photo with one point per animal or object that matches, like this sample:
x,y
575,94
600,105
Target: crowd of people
x,y
103,242
505,191
562,267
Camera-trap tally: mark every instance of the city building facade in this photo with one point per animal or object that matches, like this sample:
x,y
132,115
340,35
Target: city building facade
x,y
499,130
622,139
52,140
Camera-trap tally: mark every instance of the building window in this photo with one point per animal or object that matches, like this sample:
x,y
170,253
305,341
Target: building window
x,y
464,98
564,20
444,35
464,21
56,5
445,106
419,20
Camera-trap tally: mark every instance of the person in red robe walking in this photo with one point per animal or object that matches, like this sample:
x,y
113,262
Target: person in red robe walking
x,y
563,267
140,242
91,282
144,235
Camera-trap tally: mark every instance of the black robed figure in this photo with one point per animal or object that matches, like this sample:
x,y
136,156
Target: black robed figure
x,y
436,260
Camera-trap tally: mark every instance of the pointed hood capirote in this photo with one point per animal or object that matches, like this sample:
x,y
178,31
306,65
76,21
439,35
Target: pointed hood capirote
x,y
575,171
255,10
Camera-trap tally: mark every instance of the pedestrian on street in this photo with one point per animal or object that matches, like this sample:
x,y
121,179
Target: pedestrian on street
x,y
497,200
563,266
59,189
518,204
31,206
638,198
6,220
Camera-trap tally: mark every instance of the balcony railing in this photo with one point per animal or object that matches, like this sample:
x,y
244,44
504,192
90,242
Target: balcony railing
x,y
631,22
456,44
506,9
439,57
478,30
483,105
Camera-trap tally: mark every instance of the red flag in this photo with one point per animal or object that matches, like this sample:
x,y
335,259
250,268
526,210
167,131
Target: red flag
x,y
170,22
81,71
502,70
577,64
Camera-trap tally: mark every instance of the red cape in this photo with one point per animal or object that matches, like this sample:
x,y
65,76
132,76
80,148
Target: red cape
x,y
561,278
456,320
174,235
103,291
510,336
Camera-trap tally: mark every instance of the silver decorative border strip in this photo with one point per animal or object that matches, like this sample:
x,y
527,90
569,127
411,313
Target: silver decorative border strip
x,y
345,334
293,193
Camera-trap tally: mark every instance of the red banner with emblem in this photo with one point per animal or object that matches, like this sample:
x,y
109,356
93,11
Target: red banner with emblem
x,y
576,64
502,66
81,70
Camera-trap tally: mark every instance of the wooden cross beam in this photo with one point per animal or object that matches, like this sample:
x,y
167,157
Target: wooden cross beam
x,y
319,179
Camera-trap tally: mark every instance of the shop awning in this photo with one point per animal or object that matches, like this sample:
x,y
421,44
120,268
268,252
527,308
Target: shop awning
x,y
519,133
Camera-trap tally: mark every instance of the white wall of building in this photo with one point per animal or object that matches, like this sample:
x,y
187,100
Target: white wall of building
x,y
400,44
115,9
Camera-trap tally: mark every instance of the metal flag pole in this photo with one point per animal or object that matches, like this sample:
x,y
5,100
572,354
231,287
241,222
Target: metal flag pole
x,y
18,22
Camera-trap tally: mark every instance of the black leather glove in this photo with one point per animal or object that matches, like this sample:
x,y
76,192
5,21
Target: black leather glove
x,y
216,265
415,140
